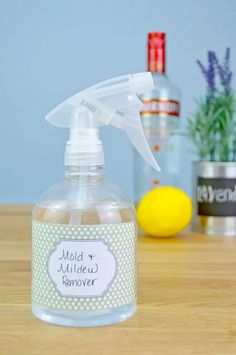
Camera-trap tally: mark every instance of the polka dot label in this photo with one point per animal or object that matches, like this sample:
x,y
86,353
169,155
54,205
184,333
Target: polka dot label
x,y
83,266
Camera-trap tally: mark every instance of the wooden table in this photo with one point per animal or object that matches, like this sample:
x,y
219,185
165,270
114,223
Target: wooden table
x,y
187,299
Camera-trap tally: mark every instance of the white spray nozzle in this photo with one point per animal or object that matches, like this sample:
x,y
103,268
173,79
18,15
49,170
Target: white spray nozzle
x,y
142,82
112,102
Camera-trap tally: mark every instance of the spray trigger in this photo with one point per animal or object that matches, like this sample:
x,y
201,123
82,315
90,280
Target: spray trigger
x,y
112,102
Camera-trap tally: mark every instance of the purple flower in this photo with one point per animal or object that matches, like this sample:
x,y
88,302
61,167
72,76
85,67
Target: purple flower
x,y
209,72
225,73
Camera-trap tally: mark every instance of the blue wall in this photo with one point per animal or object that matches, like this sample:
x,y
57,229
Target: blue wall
x,y
52,49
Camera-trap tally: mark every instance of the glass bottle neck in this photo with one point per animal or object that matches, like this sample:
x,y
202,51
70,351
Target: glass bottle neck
x,y
85,174
157,63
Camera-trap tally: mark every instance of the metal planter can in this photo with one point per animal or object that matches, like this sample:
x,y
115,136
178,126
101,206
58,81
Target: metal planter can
x,y
214,198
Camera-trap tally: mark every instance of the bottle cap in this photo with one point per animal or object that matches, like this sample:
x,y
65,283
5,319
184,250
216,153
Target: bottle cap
x,y
156,52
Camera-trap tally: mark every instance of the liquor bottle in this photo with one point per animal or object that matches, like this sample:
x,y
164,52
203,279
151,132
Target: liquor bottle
x,y
160,120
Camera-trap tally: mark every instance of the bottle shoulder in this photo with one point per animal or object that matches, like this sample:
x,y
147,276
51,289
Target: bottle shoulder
x,y
76,195
93,204
161,109
164,88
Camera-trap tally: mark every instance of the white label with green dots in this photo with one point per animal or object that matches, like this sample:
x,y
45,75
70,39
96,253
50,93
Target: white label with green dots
x,y
83,268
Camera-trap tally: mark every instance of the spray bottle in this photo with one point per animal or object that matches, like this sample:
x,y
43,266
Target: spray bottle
x,y
84,228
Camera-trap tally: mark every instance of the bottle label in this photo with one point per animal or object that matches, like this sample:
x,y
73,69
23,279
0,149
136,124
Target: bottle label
x,y
160,107
216,197
83,268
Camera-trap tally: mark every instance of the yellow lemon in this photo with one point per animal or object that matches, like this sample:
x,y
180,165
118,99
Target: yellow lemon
x,y
164,211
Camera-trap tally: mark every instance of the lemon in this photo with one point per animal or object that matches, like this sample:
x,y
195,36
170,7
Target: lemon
x,y
164,211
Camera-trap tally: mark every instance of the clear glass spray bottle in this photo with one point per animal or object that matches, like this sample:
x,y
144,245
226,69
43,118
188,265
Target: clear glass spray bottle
x,y
84,228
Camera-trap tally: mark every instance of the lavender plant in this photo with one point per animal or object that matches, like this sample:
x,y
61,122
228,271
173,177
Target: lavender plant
x,y
212,128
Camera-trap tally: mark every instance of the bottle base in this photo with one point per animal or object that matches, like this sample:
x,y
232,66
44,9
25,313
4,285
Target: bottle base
x,y
83,319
